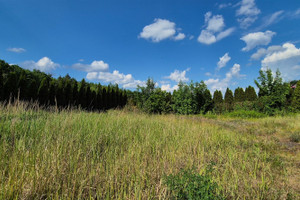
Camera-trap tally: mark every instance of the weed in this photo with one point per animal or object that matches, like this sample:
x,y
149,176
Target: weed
x,y
188,184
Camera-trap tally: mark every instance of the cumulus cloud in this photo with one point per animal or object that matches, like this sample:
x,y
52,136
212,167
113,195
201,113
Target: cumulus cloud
x,y
161,29
16,50
95,66
223,60
178,76
286,59
213,32
168,88
262,52
45,64
253,40
126,80
222,84
180,36
247,13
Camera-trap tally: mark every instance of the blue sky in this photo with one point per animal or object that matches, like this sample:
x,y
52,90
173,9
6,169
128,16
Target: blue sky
x,y
223,43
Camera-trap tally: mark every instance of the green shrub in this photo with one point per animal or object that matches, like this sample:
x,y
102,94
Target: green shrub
x,y
188,184
245,114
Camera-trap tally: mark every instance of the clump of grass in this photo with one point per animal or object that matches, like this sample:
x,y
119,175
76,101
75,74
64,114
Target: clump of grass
x,y
295,137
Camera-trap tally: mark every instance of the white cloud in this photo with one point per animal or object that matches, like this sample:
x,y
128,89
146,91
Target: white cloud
x,y
126,80
247,13
214,24
262,52
180,36
256,39
16,50
286,59
225,33
223,60
206,37
217,84
95,66
224,5
45,64
161,29
208,74
178,76
272,19
168,88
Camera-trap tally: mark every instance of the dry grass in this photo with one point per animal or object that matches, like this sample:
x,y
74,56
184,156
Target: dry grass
x,y
73,154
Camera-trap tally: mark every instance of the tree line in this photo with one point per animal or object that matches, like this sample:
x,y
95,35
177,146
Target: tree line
x,y
274,96
21,84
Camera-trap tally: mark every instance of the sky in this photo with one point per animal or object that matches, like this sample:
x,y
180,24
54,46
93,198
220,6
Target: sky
x,y
223,43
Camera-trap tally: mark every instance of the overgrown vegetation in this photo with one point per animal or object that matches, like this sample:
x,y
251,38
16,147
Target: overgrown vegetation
x,y
74,154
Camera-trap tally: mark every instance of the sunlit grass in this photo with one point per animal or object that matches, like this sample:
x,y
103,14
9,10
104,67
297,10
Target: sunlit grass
x,y
74,154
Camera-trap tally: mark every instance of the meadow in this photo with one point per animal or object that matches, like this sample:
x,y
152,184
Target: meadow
x,y
122,154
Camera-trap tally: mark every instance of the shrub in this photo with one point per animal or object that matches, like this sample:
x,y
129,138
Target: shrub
x,y
245,114
188,184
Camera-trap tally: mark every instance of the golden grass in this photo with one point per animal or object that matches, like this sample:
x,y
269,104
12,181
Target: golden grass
x,y
74,154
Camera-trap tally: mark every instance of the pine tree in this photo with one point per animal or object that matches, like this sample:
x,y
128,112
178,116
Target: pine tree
x,y
208,106
82,94
296,97
43,92
218,97
52,92
218,101
75,92
11,86
1,85
250,94
239,95
229,99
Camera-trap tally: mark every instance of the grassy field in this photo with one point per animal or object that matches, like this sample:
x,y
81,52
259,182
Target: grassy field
x,y
125,155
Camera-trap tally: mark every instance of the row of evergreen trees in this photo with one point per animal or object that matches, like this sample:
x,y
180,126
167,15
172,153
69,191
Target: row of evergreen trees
x,y
17,83
274,96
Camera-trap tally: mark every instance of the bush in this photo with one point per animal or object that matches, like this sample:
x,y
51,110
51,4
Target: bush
x,y
188,184
245,114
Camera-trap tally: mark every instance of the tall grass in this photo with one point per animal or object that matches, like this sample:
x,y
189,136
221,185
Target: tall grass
x,y
72,154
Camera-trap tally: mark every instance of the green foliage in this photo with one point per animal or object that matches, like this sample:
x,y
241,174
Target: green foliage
x,y
239,95
245,114
272,91
16,82
188,184
228,100
296,98
218,102
250,94
183,101
158,102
